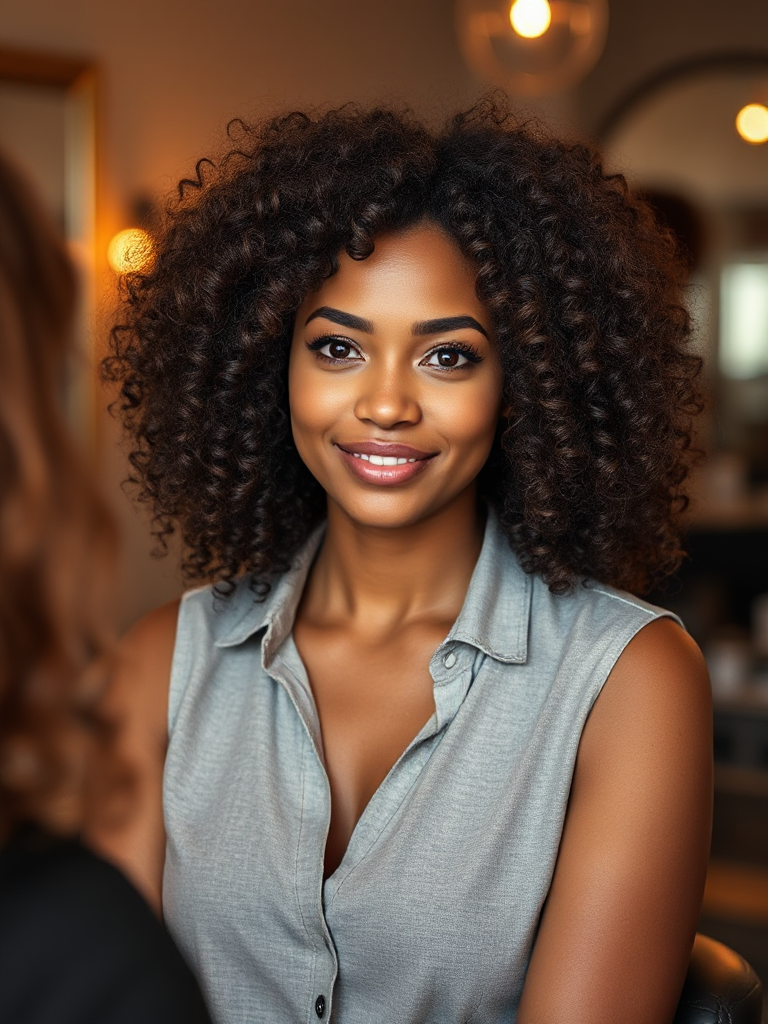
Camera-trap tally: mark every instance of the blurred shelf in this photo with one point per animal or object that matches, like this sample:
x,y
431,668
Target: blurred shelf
x,y
753,704
737,891
741,748
747,513
735,779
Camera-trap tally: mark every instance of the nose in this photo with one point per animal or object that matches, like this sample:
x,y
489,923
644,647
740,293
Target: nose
x,y
388,401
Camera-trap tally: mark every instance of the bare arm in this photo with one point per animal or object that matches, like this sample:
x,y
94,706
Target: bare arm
x,y
137,701
618,925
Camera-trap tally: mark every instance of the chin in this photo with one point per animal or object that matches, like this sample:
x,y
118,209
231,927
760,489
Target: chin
x,y
380,515
395,510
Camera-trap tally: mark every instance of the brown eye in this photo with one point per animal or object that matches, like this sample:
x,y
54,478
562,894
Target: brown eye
x,y
335,350
447,357
339,350
451,358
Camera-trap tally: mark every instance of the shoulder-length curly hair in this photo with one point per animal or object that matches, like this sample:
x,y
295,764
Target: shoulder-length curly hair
x,y
584,291
56,544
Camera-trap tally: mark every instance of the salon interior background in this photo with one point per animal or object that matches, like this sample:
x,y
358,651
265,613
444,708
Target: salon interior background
x,y
170,74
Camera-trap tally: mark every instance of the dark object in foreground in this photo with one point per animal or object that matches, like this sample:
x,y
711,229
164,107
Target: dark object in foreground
x,y
79,945
720,987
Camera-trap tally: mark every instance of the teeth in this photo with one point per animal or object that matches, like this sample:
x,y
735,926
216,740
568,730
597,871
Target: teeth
x,y
382,460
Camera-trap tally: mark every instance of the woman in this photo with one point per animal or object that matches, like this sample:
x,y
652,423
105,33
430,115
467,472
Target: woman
x,y
419,403
77,943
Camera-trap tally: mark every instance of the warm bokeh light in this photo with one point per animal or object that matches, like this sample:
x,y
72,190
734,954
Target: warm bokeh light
x,y
530,18
130,250
752,123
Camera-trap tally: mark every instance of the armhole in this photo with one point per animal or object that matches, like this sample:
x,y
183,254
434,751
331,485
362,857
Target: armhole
x,y
180,663
607,664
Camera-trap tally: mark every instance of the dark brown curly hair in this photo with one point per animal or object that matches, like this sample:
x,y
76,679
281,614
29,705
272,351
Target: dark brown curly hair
x,y
584,291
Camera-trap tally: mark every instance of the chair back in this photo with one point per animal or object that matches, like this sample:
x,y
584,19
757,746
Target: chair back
x,y
720,987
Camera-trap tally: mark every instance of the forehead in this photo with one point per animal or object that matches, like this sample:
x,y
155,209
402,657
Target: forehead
x,y
419,273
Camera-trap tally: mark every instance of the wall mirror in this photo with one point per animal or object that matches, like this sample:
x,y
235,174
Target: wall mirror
x,y
47,126
675,138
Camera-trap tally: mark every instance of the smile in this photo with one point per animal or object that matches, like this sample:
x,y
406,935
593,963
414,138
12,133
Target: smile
x,y
391,464
381,460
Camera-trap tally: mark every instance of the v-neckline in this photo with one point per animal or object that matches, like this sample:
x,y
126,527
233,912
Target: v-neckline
x,y
293,663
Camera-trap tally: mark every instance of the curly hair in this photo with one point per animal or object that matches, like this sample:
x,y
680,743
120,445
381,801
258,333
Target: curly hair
x,y
57,543
582,285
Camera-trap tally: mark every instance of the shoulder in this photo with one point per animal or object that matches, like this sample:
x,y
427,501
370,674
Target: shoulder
x,y
662,650
645,677
657,693
618,608
633,853
139,689
644,761
590,606
172,638
209,615
136,704
152,637
595,626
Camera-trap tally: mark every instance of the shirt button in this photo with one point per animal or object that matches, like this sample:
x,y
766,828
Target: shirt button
x,y
449,660
320,1006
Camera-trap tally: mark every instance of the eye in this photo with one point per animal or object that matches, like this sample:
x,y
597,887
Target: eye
x,y
335,350
452,357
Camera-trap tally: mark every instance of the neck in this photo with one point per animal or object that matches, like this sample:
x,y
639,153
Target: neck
x,y
376,579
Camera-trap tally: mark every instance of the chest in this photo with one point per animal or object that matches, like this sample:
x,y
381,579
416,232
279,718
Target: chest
x,y
432,913
372,700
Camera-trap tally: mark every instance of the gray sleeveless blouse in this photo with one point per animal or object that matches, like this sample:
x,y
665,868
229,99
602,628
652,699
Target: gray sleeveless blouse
x,y
431,916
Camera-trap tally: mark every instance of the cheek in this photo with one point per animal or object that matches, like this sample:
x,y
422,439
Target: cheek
x,y
470,421
310,405
315,407
300,405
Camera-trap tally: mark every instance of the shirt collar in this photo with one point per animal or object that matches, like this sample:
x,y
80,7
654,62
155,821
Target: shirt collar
x,y
242,615
494,617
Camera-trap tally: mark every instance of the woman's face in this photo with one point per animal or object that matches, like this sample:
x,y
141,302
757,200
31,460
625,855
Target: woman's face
x,y
394,380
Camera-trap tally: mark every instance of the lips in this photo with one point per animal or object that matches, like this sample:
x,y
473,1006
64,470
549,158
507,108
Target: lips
x,y
383,464
384,450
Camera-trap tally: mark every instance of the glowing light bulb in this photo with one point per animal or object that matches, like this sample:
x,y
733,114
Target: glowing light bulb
x,y
530,18
752,123
130,250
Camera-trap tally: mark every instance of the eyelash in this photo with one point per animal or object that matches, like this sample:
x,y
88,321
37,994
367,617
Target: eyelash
x,y
468,351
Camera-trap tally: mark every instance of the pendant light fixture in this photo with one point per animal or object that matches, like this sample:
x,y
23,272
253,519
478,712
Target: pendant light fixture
x,y
531,47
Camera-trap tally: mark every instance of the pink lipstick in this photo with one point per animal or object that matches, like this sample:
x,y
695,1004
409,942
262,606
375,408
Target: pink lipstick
x,y
383,462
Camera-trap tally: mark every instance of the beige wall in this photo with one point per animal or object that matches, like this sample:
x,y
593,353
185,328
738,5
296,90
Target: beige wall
x,y
646,36
173,73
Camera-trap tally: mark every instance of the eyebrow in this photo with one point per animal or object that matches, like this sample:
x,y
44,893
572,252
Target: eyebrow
x,y
448,323
421,327
338,316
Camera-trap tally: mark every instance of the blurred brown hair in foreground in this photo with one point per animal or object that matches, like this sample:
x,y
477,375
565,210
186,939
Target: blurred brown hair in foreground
x,y
57,544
